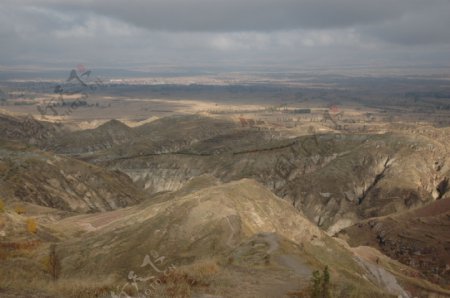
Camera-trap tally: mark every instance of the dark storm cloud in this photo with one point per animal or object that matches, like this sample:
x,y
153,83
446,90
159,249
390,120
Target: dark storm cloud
x,y
250,15
430,25
396,21
290,32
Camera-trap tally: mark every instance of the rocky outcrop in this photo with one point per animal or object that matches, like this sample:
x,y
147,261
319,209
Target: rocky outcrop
x,y
417,238
42,178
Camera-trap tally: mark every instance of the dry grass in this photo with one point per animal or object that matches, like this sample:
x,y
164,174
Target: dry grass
x,y
31,225
181,281
20,209
16,249
23,273
81,288
21,281
20,276
202,271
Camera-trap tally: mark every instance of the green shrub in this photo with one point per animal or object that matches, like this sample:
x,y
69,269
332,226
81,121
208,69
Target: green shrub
x,y
320,284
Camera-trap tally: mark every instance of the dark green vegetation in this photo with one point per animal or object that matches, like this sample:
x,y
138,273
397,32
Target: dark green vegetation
x,y
321,284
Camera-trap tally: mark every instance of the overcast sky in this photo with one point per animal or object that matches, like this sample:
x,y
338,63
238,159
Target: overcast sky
x,y
225,33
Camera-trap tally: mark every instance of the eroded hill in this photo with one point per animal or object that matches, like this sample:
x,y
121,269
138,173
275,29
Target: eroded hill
x,y
43,178
335,179
224,239
237,211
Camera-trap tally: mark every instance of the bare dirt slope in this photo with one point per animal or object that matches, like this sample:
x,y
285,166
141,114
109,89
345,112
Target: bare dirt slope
x,y
43,178
419,238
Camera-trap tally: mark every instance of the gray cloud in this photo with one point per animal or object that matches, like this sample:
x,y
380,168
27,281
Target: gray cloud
x,y
430,25
229,32
249,15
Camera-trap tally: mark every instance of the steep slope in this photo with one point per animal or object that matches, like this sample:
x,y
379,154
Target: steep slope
x,y
203,223
30,175
419,238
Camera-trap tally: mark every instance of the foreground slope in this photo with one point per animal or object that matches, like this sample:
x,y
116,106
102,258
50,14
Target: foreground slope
x,y
230,240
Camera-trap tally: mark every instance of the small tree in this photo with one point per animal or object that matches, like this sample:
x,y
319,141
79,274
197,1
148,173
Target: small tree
x,y
2,206
326,283
52,263
316,281
320,284
31,226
